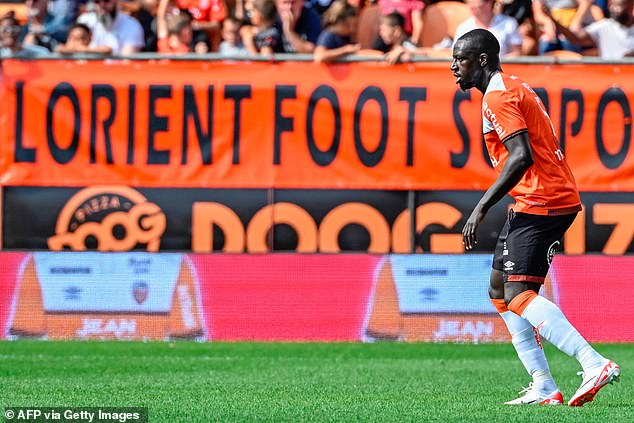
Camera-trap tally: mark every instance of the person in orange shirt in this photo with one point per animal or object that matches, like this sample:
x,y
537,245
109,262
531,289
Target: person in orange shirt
x,y
531,167
175,35
175,31
207,15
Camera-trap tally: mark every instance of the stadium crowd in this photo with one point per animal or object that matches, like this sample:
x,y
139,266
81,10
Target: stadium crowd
x,y
396,30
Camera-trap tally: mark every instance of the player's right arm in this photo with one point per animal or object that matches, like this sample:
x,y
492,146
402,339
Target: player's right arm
x,y
519,160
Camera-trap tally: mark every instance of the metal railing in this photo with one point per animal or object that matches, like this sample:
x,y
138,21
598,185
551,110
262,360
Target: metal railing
x,y
283,57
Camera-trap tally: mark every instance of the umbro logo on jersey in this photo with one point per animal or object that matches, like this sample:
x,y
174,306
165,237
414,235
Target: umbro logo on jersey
x,y
508,265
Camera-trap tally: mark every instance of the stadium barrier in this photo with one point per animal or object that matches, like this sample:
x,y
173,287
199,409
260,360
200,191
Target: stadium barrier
x,y
291,297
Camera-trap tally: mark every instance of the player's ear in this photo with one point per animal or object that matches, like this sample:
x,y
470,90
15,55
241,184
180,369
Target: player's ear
x,y
484,60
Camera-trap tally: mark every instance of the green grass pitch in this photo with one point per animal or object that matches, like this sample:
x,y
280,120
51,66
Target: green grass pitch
x,y
381,382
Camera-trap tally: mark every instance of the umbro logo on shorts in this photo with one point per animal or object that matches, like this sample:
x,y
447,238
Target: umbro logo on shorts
x,y
508,265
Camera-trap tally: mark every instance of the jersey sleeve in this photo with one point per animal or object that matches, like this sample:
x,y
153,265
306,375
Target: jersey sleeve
x,y
502,111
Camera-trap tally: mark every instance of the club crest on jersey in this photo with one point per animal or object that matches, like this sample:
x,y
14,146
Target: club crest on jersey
x,y
492,119
551,251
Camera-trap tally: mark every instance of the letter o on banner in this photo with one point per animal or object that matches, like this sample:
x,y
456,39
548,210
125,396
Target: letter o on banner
x,y
205,216
323,157
60,154
362,214
428,214
371,158
613,161
287,213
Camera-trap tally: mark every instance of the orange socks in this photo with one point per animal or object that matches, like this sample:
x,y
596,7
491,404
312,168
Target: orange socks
x,y
500,305
519,303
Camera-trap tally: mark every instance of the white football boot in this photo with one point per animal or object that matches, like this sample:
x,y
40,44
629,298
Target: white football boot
x,y
533,396
594,381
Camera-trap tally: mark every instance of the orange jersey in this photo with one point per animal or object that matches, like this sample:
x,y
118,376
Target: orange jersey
x,y
510,107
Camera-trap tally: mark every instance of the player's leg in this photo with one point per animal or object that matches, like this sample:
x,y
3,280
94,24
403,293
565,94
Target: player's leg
x,y
532,247
523,335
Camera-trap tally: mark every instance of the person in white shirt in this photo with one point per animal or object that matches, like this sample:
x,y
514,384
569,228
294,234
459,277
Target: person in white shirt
x,y
613,37
504,27
112,30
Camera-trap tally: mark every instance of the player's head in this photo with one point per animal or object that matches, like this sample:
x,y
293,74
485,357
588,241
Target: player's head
x,y
475,53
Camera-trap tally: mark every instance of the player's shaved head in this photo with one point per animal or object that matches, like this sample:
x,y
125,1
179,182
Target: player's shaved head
x,y
480,41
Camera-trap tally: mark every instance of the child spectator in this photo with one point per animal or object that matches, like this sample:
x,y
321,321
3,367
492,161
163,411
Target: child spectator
x,y
179,35
78,40
334,42
412,12
174,31
263,37
206,17
392,33
231,44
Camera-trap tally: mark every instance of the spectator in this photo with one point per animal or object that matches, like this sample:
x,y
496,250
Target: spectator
x,y
263,37
412,12
393,40
207,16
78,41
175,33
571,14
48,21
35,31
62,15
10,42
113,29
300,26
503,27
231,44
144,11
334,42
392,33
614,37
522,12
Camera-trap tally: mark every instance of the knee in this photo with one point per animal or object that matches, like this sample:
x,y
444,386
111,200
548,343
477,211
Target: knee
x,y
509,295
496,294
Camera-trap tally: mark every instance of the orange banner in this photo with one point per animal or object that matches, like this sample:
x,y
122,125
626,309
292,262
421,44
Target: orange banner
x,y
290,125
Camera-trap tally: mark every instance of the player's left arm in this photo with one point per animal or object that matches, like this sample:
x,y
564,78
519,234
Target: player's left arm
x,y
519,160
